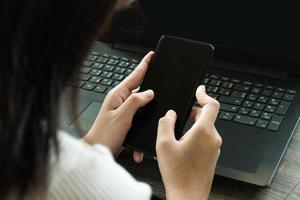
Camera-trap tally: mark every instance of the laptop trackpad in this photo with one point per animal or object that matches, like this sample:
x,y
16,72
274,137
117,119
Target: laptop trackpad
x,y
88,116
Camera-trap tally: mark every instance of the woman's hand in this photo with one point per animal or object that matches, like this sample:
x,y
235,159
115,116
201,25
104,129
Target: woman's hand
x,y
187,166
114,119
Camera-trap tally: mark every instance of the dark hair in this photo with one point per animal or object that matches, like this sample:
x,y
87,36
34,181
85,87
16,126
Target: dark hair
x,y
42,44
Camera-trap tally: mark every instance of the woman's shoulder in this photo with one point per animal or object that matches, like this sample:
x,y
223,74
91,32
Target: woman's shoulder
x,y
84,171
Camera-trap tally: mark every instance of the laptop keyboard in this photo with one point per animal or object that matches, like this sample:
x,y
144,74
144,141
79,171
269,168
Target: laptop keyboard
x,y
102,72
254,104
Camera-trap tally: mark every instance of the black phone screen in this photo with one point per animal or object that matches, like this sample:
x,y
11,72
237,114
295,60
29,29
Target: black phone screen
x,y
174,75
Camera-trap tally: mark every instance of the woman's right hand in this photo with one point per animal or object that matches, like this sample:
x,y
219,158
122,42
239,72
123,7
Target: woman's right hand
x,y
187,165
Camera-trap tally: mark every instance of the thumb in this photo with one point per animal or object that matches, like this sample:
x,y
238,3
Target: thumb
x,y
134,102
165,131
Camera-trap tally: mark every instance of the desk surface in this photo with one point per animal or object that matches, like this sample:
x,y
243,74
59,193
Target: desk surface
x,y
285,184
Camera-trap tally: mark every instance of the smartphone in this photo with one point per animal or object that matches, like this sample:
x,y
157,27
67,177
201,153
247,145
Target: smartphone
x,y
175,72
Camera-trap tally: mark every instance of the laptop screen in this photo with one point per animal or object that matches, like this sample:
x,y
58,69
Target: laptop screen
x,y
270,31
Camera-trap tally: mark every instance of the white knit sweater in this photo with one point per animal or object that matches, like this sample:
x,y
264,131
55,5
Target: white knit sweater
x,y
86,172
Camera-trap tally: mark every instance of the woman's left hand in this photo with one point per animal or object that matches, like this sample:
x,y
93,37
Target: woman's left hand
x,y
115,117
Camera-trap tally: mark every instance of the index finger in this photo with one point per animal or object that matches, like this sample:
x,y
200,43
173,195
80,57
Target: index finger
x,y
136,77
210,107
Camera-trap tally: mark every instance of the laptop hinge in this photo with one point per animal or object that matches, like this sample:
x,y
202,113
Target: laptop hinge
x,y
131,48
250,69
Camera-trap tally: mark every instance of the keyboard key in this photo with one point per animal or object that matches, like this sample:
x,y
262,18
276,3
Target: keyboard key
x,y
135,61
124,59
108,68
262,123
275,123
288,97
238,94
243,88
277,95
85,70
123,64
255,90
115,83
97,66
83,77
215,96
274,102
92,57
102,60
87,63
235,81
263,99
205,81
128,71
95,72
115,57
255,113
244,111
252,97
119,70
291,91
112,62
106,75
213,76
225,92
243,119
258,85
106,82
117,77
248,104
277,118
227,85
226,115
100,89
266,115
228,107
89,86
106,55
95,79
283,108
270,108
259,106
95,53
231,100
266,93
132,66
280,89
269,87
215,82
247,83
212,89
225,79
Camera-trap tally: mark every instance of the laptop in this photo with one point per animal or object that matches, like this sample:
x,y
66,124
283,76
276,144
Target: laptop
x,y
254,74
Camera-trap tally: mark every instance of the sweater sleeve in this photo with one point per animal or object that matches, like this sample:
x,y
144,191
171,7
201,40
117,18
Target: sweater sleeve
x,y
85,171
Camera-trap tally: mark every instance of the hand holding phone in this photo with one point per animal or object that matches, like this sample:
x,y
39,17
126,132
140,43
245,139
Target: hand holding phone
x,y
175,72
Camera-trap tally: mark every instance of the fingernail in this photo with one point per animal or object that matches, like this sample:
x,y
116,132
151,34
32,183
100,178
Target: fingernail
x,y
149,94
202,87
170,113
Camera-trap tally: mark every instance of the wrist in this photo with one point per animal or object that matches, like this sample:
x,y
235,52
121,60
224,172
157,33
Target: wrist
x,y
96,138
88,138
186,193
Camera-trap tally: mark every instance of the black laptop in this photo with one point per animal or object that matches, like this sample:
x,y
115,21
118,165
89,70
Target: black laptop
x,y
255,74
